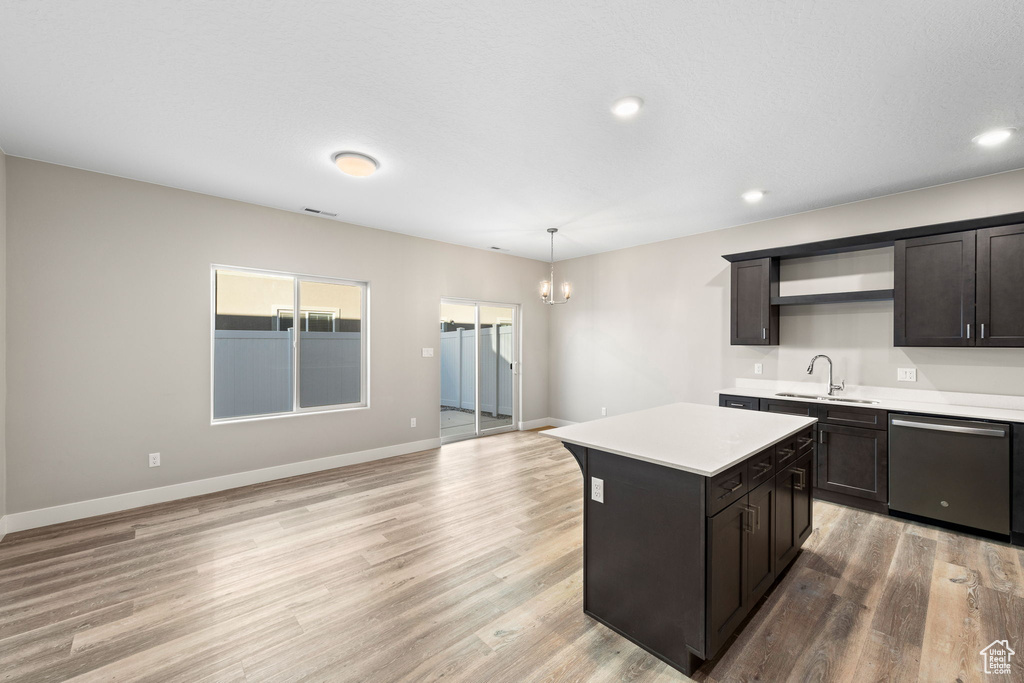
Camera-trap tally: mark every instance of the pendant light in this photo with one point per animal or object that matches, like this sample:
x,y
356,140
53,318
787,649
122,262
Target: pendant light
x,y
546,285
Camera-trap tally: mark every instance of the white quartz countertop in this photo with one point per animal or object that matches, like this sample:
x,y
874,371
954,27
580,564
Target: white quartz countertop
x,y
943,403
695,438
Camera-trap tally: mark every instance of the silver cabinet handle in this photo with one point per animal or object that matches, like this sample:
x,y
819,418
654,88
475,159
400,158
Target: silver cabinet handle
x,y
956,429
802,484
748,524
968,330
983,330
764,333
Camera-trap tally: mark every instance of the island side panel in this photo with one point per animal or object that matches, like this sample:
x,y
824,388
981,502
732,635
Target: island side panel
x,y
644,555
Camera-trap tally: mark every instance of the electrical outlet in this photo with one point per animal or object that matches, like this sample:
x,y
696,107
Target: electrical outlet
x,y
597,489
758,368
604,411
412,422
906,374
154,460
428,352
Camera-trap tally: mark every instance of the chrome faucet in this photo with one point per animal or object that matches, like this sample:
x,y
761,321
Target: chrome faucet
x,y
832,388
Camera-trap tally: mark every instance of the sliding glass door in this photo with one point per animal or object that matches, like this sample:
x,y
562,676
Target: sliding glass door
x,y
478,350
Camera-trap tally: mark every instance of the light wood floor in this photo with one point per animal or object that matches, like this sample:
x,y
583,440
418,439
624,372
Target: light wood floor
x,y
462,563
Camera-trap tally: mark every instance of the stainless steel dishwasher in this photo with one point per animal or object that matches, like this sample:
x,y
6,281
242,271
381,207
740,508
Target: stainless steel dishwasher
x,y
952,470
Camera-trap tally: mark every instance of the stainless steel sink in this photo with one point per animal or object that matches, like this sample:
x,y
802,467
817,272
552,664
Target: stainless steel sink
x,y
836,399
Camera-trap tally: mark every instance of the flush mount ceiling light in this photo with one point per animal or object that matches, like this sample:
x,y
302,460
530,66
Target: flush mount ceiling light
x,y
627,107
355,164
547,285
753,196
994,138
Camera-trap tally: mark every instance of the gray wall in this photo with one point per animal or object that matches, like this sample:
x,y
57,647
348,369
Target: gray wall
x,y
110,325
3,334
671,299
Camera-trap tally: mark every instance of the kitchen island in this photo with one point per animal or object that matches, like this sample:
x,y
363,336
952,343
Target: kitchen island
x,y
690,513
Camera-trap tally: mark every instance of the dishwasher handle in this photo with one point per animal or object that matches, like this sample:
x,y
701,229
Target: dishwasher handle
x,y
993,430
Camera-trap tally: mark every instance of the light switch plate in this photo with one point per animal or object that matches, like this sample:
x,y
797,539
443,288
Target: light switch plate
x,y
906,374
597,489
428,352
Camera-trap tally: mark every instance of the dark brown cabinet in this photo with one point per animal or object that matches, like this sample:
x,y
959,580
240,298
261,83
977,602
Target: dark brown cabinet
x,y
741,402
1000,286
853,461
793,510
772,405
753,319
934,290
741,560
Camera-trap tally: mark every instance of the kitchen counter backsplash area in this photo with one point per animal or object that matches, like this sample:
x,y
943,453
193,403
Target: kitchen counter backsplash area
x,y
981,406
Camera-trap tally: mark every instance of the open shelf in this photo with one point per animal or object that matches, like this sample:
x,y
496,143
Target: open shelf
x,y
833,297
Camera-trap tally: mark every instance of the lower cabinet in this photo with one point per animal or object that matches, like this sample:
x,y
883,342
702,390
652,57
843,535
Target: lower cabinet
x,y
853,461
793,506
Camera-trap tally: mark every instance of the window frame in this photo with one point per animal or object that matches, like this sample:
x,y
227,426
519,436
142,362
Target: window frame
x,y
297,279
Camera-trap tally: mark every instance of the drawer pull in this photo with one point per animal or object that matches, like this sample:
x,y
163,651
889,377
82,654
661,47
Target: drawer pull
x,y
739,483
802,484
737,405
805,440
762,467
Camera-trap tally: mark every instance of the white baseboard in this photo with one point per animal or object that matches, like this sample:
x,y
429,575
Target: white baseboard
x,y
3,527
20,521
543,422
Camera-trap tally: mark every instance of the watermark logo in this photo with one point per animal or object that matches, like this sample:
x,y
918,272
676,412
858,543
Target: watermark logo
x,y
997,657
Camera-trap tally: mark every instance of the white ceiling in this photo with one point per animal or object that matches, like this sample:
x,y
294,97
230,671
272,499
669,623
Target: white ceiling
x,y
491,118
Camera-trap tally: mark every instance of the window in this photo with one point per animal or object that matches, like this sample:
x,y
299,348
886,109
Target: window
x,y
263,365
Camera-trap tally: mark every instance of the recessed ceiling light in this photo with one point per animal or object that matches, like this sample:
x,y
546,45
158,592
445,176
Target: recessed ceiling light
x,y
355,164
995,137
753,196
627,107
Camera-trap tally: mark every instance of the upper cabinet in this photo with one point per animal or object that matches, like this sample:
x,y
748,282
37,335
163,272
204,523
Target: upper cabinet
x,y
961,289
934,290
954,284
1000,285
754,320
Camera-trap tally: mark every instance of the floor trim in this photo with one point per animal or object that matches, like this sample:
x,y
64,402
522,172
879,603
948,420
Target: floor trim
x,y
543,422
31,519
3,527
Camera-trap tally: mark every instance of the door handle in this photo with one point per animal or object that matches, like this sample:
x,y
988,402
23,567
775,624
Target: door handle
x,y
956,429
748,524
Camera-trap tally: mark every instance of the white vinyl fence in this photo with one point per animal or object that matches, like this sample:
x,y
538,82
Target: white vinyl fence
x,y
458,360
253,371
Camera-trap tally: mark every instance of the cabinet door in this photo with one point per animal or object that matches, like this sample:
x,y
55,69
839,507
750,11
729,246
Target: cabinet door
x,y
753,320
793,510
1000,311
727,602
853,461
934,291
760,547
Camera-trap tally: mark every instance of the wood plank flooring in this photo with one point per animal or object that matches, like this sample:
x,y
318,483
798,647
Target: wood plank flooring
x,y
463,563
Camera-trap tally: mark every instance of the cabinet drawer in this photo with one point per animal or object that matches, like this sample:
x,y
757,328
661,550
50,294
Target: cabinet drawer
x,y
805,442
761,467
726,487
789,407
786,452
854,416
742,402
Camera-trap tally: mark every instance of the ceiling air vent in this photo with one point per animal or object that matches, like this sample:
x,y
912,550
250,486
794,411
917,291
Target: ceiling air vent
x,y
319,212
